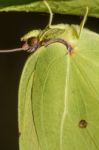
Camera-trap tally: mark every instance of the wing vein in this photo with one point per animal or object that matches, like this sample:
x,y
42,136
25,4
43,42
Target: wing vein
x,y
65,111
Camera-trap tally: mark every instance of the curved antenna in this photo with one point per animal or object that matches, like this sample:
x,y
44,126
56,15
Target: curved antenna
x,y
50,12
13,50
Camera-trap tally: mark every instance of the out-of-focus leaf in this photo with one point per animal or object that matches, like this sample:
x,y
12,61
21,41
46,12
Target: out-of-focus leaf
x,y
58,6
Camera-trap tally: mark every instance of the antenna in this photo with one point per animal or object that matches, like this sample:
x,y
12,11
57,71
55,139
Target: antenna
x,y
13,50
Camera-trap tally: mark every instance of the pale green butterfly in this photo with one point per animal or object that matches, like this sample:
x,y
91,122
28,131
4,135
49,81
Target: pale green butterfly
x,y
58,92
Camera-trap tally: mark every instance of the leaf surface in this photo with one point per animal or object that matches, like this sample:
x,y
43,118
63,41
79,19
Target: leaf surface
x,y
76,7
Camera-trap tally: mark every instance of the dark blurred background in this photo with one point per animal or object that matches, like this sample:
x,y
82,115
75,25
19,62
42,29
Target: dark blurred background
x,y
13,25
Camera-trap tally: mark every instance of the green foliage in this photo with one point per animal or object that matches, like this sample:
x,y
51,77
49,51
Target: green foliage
x,y
59,94
58,6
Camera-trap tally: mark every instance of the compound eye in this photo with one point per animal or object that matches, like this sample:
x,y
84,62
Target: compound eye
x,y
32,41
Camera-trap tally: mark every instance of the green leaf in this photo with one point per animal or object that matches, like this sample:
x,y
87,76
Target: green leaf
x,y
58,6
59,95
